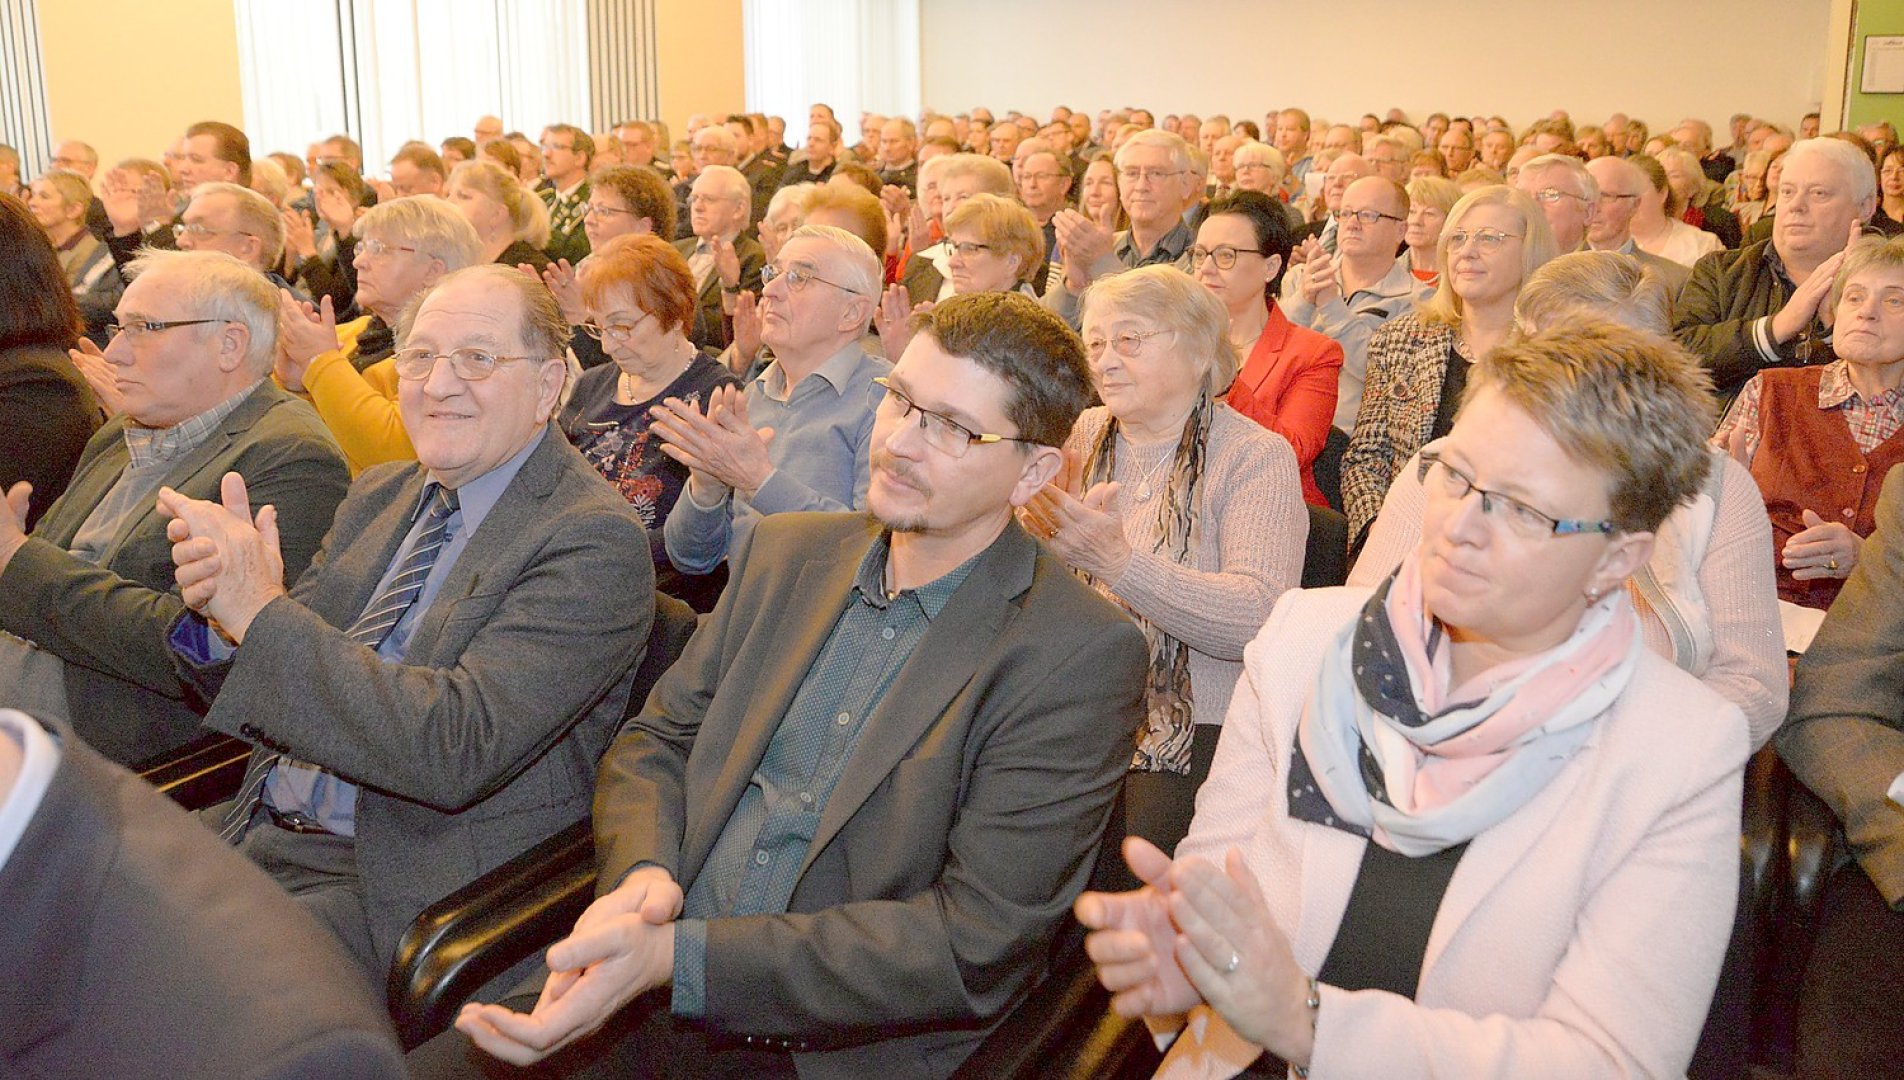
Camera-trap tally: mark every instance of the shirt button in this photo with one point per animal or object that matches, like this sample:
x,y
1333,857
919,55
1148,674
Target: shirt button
x,y
1849,513
846,718
1857,468
760,858
887,633
807,797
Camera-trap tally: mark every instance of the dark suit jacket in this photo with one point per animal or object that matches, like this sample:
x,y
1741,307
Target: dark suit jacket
x,y
484,741
711,329
137,945
763,175
1714,316
108,623
47,414
962,829
1844,734
921,278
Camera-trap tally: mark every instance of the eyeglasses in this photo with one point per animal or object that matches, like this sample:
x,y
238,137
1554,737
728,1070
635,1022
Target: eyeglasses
x,y
596,209
1155,176
378,247
1041,177
1223,255
1486,241
1128,344
1518,517
705,200
941,432
1366,217
614,331
798,277
1551,195
967,248
139,328
203,232
1615,196
470,365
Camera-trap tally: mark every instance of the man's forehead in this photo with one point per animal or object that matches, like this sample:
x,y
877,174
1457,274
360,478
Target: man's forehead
x,y
1368,192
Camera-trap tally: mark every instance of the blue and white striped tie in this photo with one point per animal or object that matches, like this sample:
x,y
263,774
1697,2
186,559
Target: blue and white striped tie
x,y
380,616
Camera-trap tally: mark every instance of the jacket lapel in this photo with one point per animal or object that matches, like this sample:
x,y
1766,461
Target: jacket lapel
x,y
947,656
95,476
214,449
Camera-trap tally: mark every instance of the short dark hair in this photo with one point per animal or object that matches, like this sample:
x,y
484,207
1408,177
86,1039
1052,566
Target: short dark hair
x,y
645,192
743,120
579,141
420,156
1267,221
36,303
233,145
1037,356
463,146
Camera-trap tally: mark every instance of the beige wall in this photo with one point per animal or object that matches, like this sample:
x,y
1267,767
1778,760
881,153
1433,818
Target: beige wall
x,y
698,43
1656,60
128,76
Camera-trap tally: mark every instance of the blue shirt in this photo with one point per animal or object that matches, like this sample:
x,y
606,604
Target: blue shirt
x,y
330,800
755,862
823,434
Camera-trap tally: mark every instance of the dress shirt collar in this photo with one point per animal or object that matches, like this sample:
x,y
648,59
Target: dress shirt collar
x,y
40,760
837,371
476,498
870,583
1169,249
154,446
1835,389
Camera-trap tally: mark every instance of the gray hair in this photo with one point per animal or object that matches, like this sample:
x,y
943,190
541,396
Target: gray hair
x,y
1172,299
1597,287
214,285
1851,161
545,332
430,225
1870,253
256,217
860,267
1160,140
1574,167
993,175
727,177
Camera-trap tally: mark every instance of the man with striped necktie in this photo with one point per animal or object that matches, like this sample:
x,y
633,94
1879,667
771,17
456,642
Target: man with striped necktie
x,y
430,699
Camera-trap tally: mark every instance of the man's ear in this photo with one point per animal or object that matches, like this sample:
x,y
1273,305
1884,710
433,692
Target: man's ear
x,y
234,341
1041,466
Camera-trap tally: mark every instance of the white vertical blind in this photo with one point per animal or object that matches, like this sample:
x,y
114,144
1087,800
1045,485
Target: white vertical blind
x,y
23,117
855,55
386,71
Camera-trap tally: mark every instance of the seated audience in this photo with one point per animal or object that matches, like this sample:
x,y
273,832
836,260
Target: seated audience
x,y
1344,169
1154,187
511,223
623,200
822,155
1429,200
1418,364
1567,195
1351,292
761,168
1705,599
928,274
1845,740
92,587
1891,186
1659,226
568,153
1260,167
455,150
319,245
993,245
58,203
418,715
1621,185
346,370
1763,305
47,410
817,396
1752,197
959,798
1183,512
210,152
638,301
1820,440
1287,381
898,147
724,260
1353,813
417,170
131,940
1701,200
1045,180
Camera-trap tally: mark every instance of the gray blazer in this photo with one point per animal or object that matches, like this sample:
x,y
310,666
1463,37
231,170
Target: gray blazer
x,y
962,829
131,948
1844,735
484,741
108,623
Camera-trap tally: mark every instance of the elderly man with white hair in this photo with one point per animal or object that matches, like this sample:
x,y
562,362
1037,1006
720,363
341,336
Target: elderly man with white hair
x,y
1156,184
724,262
1615,185
92,587
1763,304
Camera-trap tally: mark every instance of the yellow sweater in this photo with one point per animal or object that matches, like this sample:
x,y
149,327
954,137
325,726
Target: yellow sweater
x,y
359,408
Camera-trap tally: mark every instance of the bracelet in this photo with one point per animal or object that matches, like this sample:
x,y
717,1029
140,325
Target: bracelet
x,y
1314,1004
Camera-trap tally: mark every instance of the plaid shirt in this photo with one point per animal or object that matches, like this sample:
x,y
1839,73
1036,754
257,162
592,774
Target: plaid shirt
x,y
1871,421
154,446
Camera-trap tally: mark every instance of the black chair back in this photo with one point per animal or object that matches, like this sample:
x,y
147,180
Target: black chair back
x,y
1325,558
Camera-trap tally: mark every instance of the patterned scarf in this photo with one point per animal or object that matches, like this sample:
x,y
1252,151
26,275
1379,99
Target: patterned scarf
x,y
1163,745
1387,750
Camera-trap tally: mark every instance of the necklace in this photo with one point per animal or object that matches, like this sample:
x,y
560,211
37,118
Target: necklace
x,y
629,388
1145,476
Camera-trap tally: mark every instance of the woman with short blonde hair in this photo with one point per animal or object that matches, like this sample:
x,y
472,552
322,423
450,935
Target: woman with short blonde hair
x,y
511,220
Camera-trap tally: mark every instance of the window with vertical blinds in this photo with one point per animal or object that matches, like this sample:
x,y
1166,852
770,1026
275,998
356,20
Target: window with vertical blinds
x,y
855,55
23,119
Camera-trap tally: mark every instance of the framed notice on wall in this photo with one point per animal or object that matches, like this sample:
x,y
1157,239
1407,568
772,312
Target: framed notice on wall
x,y
1883,64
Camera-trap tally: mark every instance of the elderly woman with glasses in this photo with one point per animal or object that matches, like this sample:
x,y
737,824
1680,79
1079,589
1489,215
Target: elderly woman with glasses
x,y
993,244
1184,512
639,301
622,201
1705,599
1288,379
1418,365
1465,823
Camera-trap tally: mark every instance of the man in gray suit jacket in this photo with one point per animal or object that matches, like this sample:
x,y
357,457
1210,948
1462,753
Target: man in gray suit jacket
x,y
131,938
841,835
93,584
432,697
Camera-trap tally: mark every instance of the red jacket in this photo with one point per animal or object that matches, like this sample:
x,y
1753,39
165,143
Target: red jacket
x,y
1288,385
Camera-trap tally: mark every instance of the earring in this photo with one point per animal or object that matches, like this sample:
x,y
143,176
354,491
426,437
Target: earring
x,y
1593,596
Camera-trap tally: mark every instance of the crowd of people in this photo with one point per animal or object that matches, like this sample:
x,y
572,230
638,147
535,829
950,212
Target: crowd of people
x,y
994,453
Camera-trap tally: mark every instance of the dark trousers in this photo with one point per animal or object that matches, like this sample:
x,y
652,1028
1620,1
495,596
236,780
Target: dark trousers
x,y
643,1041
1849,1018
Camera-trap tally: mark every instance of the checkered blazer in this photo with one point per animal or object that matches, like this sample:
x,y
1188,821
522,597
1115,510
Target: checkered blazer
x,y
1407,360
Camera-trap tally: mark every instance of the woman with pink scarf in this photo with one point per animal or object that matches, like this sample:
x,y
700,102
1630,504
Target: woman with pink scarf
x,y
1465,823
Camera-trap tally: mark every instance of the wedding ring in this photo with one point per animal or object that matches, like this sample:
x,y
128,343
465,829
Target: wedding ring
x,y
1235,960
1832,565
